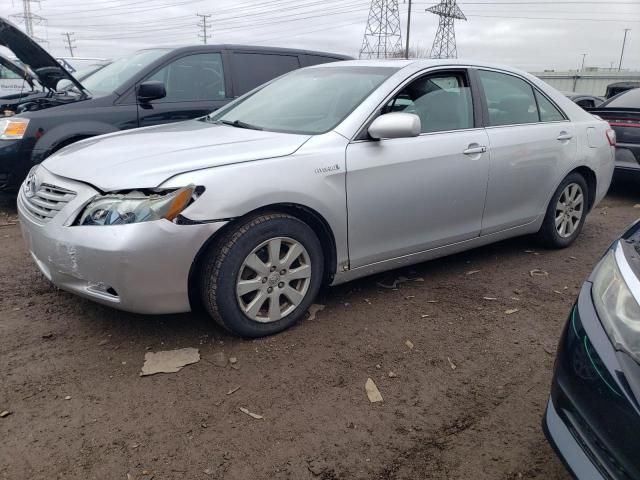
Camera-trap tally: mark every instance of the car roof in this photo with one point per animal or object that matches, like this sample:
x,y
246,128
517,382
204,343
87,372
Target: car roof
x,y
421,63
252,48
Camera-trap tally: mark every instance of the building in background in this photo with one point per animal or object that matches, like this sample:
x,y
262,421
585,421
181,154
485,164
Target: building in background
x,y
591,80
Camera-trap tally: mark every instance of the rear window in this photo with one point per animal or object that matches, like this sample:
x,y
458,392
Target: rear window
x,y
628,99
251,70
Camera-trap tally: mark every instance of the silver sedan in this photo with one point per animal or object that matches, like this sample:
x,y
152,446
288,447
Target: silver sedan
x,y
321,176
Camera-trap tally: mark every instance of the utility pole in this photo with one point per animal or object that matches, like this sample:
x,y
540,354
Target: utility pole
x,y
406,50
204,25
70,41
623,44
583,57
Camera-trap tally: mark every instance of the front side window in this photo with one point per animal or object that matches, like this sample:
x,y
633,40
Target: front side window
x,y
443,102
510,100
309,101
109,78
193,78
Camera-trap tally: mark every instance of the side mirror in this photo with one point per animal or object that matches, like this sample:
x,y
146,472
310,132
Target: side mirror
x,y
151,90
395,125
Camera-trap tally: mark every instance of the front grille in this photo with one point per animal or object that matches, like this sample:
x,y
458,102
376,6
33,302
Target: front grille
x,y
47,201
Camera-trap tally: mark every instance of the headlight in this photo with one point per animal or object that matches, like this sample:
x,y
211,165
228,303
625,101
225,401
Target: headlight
x,y
617,308
13,128
135,207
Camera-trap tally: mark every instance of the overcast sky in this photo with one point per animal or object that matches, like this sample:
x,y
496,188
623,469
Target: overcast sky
x,y
554,34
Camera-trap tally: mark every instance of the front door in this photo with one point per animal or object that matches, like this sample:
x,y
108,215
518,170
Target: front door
x,y
409,195
195,87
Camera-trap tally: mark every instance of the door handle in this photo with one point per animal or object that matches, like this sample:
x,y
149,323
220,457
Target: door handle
x,y
564,136
475,150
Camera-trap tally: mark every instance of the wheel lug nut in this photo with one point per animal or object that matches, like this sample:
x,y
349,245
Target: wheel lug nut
x,y
273,269
264,280
283,271
269,290
281,284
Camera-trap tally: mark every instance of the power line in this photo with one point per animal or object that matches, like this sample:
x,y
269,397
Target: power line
x,y
564,19
204,24
70,42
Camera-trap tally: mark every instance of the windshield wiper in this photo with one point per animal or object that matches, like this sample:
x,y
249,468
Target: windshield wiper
x,y
240,124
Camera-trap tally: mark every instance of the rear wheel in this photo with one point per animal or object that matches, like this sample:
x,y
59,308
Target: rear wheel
x,y
566,213
262,276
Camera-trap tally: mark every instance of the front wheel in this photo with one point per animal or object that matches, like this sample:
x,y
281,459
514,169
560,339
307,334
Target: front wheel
x,y
566,213
263,275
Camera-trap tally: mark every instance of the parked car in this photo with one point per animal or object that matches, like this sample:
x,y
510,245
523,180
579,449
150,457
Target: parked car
x,y
592,417
248,210
584,100
14,79
614,89
149,87
623,114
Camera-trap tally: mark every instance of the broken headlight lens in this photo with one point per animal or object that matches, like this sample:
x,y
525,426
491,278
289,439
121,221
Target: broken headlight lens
x,y
136,207
617,308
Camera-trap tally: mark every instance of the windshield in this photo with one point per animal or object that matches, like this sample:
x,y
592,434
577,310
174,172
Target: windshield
x,y
628,99
309,101
107,79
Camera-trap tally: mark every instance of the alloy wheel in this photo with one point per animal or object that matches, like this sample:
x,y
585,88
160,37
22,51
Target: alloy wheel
x,y
273,279
569,210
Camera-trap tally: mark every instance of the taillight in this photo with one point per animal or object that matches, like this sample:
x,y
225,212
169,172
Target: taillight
x,y
611,136
625,123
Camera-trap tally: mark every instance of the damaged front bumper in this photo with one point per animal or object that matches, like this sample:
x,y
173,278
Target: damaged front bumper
x,y
139,267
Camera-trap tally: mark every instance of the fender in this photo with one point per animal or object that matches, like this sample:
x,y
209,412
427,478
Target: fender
x,y
64,132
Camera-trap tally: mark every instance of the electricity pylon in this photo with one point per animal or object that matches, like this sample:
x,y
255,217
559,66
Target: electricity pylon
x,y
444,45
382,37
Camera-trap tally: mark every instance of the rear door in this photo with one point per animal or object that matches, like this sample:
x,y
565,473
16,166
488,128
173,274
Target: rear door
x,y
531,142
195,86
252,69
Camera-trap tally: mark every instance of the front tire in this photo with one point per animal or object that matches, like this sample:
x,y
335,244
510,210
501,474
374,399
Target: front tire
x,y
566,213
262,276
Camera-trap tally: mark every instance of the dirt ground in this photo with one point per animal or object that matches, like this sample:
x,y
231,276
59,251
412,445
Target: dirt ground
x,y
466,402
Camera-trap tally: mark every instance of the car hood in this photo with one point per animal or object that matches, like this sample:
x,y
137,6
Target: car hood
x,y
46,68
147,157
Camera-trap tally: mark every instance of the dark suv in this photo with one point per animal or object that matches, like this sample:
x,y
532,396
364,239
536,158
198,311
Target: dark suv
x,y
149,87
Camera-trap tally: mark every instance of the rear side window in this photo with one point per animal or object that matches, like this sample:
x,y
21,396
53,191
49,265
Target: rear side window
x,y
443,102
548,111
317,59
510,100
192,78
253,69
